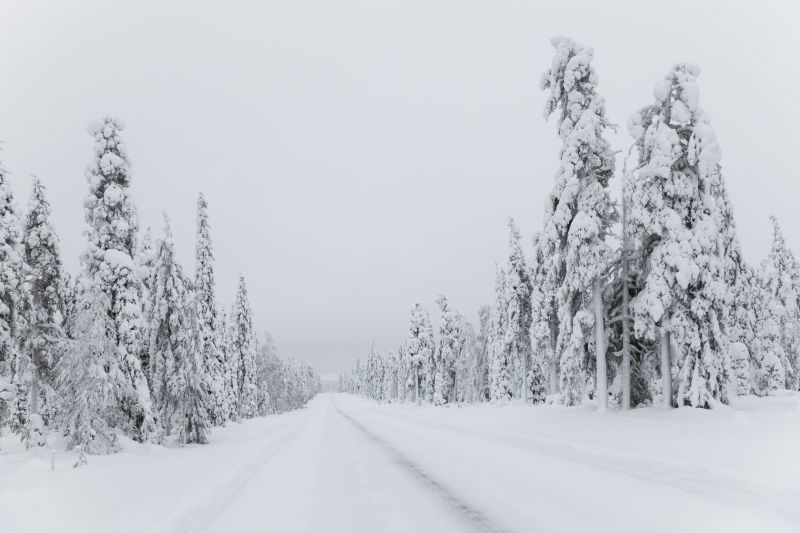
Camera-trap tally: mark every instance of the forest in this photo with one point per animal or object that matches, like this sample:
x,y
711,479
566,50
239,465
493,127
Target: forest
x,y
131,346
644,299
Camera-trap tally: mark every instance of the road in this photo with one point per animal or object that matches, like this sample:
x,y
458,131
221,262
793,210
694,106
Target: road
x,y
344,464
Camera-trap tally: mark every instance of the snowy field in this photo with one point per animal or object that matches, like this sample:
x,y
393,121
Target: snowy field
x,y
346,464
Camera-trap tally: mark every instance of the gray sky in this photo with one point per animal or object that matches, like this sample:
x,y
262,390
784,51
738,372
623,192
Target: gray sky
x,y
360,155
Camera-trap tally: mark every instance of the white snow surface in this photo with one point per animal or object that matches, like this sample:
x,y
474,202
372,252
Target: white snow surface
x,y
346,464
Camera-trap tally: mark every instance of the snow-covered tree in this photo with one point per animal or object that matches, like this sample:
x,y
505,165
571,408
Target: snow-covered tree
x,y
446,353
420,347
243,350
46,316
13,302
500,365
176,376
781,280
579,214
674,212
517,336
113,224
88,374
205,287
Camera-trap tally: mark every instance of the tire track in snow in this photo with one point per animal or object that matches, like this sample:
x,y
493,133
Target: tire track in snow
x,y
703,481
201,517
463,508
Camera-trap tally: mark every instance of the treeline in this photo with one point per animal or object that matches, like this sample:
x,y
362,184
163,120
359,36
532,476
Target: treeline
x,y
131,345
637,300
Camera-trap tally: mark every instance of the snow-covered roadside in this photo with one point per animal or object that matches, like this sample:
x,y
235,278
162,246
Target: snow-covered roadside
x,y
346,464
143,488
550,468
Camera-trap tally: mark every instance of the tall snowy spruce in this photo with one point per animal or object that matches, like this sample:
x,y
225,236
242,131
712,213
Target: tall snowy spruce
x,y
419,347
14,376
46,316
206,300
675,215
501,386
113,223
443,381
780,278
243,349
175,373
517,337
578,216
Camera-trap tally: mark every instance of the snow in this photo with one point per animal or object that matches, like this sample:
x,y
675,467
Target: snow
x,y
349,464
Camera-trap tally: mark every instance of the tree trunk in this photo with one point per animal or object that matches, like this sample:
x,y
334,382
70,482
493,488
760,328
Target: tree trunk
x,y
554,389
625,378
416,384
525,376
666,366
601,389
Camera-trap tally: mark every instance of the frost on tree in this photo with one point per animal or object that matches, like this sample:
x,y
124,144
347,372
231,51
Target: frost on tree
x,y
517,336
445,354
500,365
676,192
205,287
578,215
176,375
780,279
88,374
419,347
46,314
243,348
108,261
14,367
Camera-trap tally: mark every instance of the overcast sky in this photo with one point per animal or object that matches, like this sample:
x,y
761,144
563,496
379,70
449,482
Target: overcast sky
x,y
358,156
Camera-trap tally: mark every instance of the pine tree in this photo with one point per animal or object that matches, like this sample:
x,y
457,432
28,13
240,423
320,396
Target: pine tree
x,y
674,213
46,316
113,223
579,215
243,351
205,285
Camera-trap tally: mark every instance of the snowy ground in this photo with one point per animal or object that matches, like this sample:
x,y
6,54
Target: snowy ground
x,y
347,464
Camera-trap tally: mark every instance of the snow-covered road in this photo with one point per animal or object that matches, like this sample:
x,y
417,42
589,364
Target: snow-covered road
x,y
344,464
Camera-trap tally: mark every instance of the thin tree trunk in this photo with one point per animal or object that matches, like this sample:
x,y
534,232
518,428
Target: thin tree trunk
x,y
600,345
416,384
626,340
525,376
37,357
554,389
666,366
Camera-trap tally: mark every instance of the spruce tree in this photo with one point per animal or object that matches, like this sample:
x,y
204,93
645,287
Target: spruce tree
x,y
579,214
419,346
519,311
445,354
205,287
108,261
674,212
46,316
781,280
500,364
87,376
243,351
13,302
